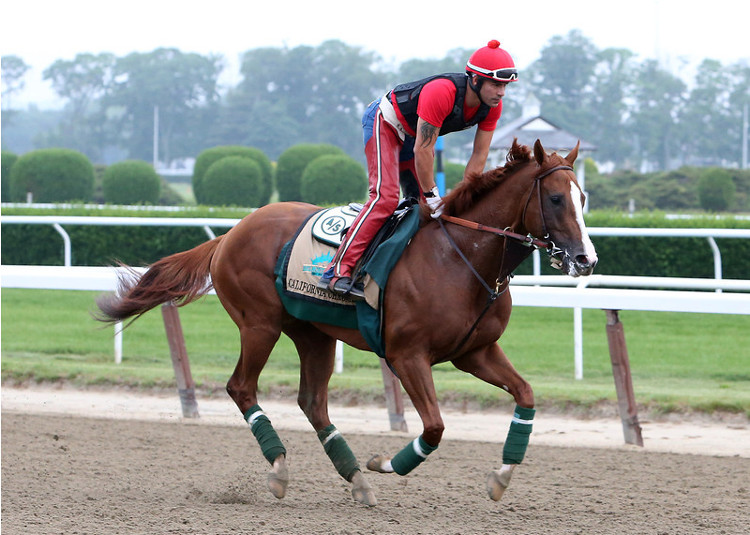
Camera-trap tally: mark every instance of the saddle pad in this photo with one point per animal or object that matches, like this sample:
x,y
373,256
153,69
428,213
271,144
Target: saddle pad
x,y
330,225
301,263
304,258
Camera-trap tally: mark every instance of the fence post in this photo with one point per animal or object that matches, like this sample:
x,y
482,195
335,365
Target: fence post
x,y
180,362
618,354
394,399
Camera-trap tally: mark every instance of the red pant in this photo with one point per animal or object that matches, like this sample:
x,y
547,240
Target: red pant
x,y
382,151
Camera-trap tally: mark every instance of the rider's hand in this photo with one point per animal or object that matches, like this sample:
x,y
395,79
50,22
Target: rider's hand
x,y
434,202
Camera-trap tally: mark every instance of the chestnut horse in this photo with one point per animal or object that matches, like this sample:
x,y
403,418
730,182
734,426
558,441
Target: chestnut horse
x,y
446,300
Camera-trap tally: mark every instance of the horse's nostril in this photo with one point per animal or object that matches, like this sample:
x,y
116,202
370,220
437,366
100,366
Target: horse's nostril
x,y
583,260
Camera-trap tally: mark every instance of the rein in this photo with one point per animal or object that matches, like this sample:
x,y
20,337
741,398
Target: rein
x,y
527,240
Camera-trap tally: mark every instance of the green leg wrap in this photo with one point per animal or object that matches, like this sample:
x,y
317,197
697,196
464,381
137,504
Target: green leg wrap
x,y
260,425
411,456
518,435
338,451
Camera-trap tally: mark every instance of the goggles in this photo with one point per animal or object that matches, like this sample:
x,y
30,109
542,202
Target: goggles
x,y
501,75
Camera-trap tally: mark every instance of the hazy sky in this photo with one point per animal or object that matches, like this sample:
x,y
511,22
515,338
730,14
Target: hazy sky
x,y
41,31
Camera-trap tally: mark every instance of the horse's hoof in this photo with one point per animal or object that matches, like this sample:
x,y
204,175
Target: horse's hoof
x,y
278,478
376,464
362,491
498,481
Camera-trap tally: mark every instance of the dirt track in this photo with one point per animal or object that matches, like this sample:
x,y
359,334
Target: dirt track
x,y
70,474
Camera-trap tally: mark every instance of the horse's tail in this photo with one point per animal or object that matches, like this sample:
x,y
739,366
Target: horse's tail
x,y
181,278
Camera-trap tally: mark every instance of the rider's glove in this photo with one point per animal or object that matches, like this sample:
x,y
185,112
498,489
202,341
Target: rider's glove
x,y
434,202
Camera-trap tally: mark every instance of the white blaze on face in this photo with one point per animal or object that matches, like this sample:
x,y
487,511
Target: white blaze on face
x,y
588,246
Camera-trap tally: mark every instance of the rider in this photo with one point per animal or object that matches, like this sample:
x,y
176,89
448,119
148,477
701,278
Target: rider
x,y
400,131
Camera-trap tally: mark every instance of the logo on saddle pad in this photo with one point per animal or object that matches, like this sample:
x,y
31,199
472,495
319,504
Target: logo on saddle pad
x,y
330,225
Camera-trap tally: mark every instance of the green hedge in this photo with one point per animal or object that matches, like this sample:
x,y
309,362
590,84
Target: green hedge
x,y
333,179
233,181
210,156
131,182
673,257
7,159
292,163
52,175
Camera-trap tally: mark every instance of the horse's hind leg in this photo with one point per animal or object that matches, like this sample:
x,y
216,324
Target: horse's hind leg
x,y
242,387
316,351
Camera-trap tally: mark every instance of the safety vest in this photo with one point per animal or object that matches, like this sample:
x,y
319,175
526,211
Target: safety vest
x,y
406,96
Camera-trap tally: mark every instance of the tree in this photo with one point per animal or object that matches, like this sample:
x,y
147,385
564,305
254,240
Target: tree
x,y
82,82
303,94
183,86
658,98
13,70
706,117
563,78
613,76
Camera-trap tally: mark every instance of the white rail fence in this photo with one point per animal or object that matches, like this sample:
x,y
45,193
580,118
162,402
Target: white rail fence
x,y
692,300
609,293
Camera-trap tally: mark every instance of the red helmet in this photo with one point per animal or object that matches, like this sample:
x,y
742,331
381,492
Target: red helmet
x,y
492,62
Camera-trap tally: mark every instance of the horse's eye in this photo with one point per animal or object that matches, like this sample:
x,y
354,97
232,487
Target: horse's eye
x,y
556,199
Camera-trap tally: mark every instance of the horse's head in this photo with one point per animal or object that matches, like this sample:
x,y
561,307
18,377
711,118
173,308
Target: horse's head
x,y
554,211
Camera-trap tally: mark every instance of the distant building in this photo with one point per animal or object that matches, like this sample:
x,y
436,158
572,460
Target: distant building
x,y
532,126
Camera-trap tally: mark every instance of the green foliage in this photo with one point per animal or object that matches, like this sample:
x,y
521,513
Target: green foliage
x,y
674,357
291,165
716,190
676,190
210,156
233,180
7,159
332,179
52,175
454,173
182,85
131,182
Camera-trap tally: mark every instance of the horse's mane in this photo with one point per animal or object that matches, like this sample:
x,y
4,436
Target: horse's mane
x,y
473,187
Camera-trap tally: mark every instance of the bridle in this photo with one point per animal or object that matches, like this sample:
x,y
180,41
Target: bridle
x,y
528,240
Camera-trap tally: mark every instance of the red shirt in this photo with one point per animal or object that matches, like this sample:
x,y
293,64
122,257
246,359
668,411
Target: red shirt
x,y
436,102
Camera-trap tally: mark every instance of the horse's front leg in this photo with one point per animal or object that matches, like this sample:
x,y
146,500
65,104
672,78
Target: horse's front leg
x,y
416,378
491,365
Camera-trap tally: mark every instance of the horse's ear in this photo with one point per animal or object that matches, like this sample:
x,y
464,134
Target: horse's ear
x,y
539,153
572,155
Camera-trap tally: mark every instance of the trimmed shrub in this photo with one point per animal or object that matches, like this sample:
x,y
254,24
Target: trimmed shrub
x,y
52,175
131,182
210,156
716,190
334,179
234,180
292,163
7,159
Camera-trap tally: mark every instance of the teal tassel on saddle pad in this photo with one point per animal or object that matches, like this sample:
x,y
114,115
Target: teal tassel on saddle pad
x,y
265,434
514,449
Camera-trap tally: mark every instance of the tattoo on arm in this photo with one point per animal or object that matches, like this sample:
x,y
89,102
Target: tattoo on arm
x,y
428,132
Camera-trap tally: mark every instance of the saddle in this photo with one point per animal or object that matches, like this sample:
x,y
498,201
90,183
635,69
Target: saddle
x,y
304,258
